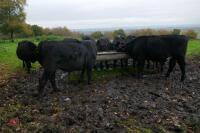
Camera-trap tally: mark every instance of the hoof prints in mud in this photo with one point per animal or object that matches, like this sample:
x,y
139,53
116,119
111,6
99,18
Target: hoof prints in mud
x,y
119,104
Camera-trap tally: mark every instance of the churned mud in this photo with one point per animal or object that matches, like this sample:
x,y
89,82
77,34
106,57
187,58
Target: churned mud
x,y
118,104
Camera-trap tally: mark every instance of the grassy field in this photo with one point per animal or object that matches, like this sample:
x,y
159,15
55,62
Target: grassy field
x,y
9,63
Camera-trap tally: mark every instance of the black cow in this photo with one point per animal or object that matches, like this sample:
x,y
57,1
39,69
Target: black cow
x,y
159,48
103,44
156,64
67,56
26,51
119,44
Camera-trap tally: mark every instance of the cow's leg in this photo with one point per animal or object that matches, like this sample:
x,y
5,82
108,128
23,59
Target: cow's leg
x,y
140,67
126,63
42,82
134,62
161,66
95,66
24,65
68,75
153,65
53,82
114,63
172,63
28,65
82,75
157,66
107,65
148,64
101,65
89,74
122,64
181,62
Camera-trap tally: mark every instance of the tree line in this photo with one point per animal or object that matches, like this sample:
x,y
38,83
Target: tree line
x,y
13,24
192,34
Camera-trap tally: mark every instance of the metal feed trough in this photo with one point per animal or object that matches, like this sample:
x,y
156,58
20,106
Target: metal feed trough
x,y
111,55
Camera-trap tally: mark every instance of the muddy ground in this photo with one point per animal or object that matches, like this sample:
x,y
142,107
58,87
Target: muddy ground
x,y
118,104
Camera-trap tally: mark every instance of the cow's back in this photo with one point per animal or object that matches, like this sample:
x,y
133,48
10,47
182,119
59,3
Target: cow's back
x,y
68,56
177,44
157,47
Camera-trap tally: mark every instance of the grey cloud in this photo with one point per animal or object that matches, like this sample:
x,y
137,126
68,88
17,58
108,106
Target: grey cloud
x,y
112,13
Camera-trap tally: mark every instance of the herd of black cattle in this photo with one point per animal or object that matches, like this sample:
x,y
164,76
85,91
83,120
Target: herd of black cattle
x,y
73,55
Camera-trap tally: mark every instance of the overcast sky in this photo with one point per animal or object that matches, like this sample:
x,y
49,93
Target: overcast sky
x,y
83,14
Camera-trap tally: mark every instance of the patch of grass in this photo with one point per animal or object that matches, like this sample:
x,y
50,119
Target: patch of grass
x,y
101,74
193,48
104,74
8,59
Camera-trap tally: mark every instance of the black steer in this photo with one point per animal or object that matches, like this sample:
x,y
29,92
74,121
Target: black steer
x,y
119,44
26,51
159,48
103,44
67,56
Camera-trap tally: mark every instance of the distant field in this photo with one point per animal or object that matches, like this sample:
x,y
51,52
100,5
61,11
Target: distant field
x,y
9,63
